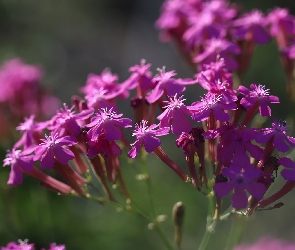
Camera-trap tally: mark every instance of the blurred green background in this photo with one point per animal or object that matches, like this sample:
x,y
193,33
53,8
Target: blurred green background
x,y
71,39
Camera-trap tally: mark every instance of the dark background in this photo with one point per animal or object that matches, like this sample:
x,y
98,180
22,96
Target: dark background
x,y
71,39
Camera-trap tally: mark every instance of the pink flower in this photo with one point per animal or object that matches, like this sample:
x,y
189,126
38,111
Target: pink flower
x,y
241,179
52,148
146,136
233,145
175,113
66,122
219,47
258,95
218,87
211,103
252,25
19,161
278,134
107,121
267,243
167,85
23,245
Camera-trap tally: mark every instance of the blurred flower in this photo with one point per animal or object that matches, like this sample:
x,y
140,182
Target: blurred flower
x,y
267,243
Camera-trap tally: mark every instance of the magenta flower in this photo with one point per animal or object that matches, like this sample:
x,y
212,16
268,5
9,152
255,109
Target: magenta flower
x,y
175,113
219,47
216,72
241,179
102,146
101,98
141,77
233,145
54,246
289,172
268,243
21,245
281,21
218,87
146,136
29,127
66,122
258,95
211,103
107,121
165,84
252,25
204,26
52,148
106,80
19,161
278,134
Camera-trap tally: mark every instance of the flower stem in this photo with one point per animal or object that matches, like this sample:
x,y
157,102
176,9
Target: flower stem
x,y
154,211
235,231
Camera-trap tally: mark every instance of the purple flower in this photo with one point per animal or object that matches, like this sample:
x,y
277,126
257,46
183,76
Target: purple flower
x,y
176,113
102,146
241,179
204,26
268,243
146,135
53,246
66,122
216,72
278,134
141,77
258,95
211,103
165,84
52,148
23,245
252,25
219,47
289,172
19,161
233,145
29,128
281,21
219,88
107,121
101,98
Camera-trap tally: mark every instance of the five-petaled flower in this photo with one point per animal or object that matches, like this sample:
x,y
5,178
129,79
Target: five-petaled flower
x,y
146,136
52,149
241,179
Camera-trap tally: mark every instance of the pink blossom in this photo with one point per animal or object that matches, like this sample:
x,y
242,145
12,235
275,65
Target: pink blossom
x,y
289,172
107,121
175,113
146,136
219,47
267,243
52,148
252,25
167,85
278,134
211,103
19,161
257,95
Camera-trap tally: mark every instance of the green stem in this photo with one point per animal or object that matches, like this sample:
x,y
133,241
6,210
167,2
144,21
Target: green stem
x,y
235,232
154,211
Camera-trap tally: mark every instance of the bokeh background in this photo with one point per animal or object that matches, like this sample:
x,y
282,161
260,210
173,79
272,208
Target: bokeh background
x,y
71,39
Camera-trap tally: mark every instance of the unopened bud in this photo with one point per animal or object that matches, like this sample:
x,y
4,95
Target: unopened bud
x,y
178,216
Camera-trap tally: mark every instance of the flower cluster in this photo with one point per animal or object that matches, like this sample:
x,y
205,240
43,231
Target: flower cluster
x,y
224,153
22,95
25,245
